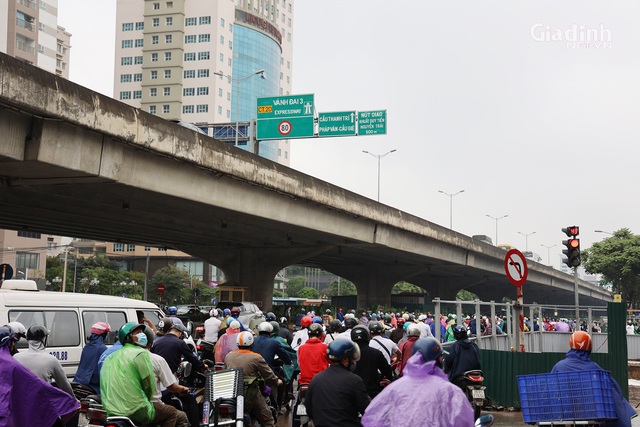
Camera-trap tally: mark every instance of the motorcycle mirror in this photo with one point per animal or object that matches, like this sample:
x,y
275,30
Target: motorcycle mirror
x,y
485,420
187,371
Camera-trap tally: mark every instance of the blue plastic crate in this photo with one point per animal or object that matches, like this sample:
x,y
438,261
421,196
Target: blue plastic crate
x,y
566,396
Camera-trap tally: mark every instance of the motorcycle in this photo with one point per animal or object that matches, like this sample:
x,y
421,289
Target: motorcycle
x,y
472,383
205,349
299,416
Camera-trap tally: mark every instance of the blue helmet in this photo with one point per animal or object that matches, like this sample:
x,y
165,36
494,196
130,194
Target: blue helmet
x,y
172,310
341,348
317,319
226,312
271,316
6,336
430,349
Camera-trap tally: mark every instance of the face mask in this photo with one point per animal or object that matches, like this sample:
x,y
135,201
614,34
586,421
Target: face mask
x,y
142,339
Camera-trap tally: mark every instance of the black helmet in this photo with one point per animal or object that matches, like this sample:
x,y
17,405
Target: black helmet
x,y
387,318
315,330
430,349
271,316
360,334
38,333
339,349
375,328
276,327
350,323
165,324
335,326
460,332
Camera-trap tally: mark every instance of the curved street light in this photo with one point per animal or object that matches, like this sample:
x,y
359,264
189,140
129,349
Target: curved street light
x,y
526,239
549,252
497,219
379,156
451,195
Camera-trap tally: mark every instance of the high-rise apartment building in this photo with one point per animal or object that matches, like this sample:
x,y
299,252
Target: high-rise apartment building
x,y
196,60
29,31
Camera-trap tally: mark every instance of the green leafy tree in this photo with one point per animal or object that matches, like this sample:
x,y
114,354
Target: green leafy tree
x,y
174,280
341,287
310,293
406,287
295,285
465,295
617,259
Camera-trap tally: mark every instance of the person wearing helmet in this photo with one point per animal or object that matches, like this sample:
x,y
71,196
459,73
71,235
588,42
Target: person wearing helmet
x,y
327,317
268,347
413,333
36,402
227,342
387,347
398,333
290,371
425,331
41,363
88,373
337,396
299,318
349,324
302,335
372,366
127,382
173,348
173,311
284,331
464,355
271,316
340,315
115,347
578,359
312,355
212,326
333,331
19,332
255,369
445,405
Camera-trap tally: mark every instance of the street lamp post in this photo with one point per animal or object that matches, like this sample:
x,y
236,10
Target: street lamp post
x,y
526,239
497,219
605,232
379,156
450,205
549,252
237,97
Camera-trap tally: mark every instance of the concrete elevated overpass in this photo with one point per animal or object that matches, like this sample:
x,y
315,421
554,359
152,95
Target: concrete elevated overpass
x,y
76,163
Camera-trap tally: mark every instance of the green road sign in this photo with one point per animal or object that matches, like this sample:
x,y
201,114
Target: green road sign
x,y
372,122
341,123
284,117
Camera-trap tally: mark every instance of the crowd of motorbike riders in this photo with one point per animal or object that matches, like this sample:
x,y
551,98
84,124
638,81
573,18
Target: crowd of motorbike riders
x,y
376,369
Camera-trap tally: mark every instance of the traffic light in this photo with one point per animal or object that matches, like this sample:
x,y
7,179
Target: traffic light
x,y
573,246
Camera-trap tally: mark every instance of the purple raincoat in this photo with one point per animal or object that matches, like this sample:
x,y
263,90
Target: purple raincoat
x,y
423,396
26,400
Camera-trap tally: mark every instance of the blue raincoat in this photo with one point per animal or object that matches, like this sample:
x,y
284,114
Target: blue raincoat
x,y
578,360
423,396
88,372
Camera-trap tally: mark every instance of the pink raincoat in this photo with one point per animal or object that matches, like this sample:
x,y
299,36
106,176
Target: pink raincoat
x,y
226,344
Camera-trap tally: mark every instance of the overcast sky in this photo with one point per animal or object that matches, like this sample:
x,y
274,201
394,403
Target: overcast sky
x,y
497,98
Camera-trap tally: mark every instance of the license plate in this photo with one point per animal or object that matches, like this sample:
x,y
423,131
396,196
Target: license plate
x,y
477,394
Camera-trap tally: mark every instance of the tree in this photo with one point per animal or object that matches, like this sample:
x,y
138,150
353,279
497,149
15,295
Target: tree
x,y
309,293
294,286
465,295
174,279
617,258
406,287
341,287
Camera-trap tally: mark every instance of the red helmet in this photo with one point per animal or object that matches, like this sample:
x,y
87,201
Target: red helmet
x,y
235,311
306,321
580,340
401,320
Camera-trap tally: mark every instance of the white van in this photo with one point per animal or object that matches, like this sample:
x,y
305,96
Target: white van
x,y
68,316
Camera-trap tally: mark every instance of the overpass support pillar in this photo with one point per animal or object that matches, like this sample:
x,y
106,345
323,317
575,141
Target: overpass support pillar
x,y
445,290
374,285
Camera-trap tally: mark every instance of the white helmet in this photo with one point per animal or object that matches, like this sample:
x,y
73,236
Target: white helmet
x,y
413,330
213,312
245,339
18,329
265,327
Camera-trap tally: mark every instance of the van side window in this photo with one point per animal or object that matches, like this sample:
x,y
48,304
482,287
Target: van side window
x,y
62,326
115,319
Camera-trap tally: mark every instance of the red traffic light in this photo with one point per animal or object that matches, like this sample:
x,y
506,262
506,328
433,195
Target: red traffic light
x,y
571,231
574,243
572,252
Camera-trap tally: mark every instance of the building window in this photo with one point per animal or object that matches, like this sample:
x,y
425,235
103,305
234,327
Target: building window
x,y
27,260
203,56
188,91
118,247
155,22
40,48
155,40
153,91
131,248
204,20
203,73
127,26
29,234
222,22
190,21
219,109
126,60
222,57
139,42
169,5
137,94
168,38
41,26
167,56
43,5
162,249
125,78
166,91
165,109
168,21
125,95
152,109
138,60
156,6
189,74
154,57
167,74
190,39
204,38
154,75
187,109
203,91
221,39
220,92
230,44
228,113
139,26
137,77
228,96
190,56
147,248
126,44
202,108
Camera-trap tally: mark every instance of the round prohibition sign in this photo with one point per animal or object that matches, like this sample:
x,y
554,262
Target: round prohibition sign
x,y
515,265
284,127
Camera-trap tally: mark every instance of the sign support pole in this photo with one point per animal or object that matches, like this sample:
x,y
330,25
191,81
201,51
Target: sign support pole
x,y
519,311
